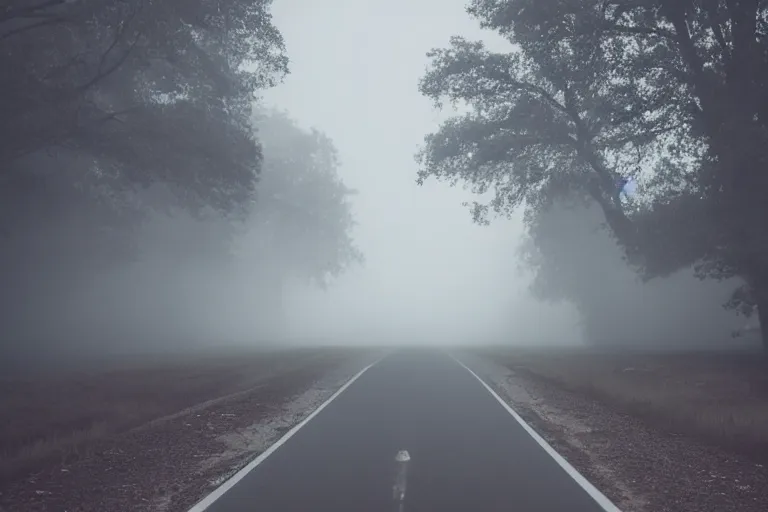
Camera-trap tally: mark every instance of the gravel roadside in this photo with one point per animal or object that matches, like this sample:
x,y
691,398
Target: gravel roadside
x,y
640,468
170,464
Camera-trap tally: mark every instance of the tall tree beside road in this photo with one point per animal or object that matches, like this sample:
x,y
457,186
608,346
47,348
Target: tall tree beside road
x,y
670,92
108,106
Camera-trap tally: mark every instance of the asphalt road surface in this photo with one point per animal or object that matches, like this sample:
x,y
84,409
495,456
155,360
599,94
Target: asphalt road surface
x,y
467,453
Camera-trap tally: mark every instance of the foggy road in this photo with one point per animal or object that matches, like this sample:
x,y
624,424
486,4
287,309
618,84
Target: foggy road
x,y
467,452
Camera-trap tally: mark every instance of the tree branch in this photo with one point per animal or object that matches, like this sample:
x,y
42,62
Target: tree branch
x,y
692,59
646,31
743,15
632,138
45,22
32,10
102,74
715,21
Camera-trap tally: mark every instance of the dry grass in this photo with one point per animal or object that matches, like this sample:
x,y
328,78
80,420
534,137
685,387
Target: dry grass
x,y
718,396
59,418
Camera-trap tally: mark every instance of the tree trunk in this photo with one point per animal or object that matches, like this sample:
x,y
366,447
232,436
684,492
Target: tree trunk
x,y
761,299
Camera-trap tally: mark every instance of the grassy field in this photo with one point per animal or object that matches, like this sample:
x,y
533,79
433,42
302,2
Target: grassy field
x,y
58,417
722,397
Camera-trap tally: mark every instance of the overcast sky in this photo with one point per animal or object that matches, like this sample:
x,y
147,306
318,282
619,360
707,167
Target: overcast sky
x,y
429,270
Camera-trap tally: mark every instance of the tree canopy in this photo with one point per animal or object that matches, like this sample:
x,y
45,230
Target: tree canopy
x,y
302,203
669,92
128,139
150,91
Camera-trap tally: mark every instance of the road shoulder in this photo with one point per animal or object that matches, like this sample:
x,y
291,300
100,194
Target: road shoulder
x,y
639,467
171,463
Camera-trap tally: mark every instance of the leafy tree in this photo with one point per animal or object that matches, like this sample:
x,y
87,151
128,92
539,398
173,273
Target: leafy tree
x,y
104,104
139,85
597,90
302,204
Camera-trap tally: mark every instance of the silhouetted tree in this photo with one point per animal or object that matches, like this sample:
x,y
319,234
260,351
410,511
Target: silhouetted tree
x,y
103,104
302,204
672,92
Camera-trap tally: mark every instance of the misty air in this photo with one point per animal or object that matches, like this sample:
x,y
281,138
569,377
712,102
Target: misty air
x,y
411,256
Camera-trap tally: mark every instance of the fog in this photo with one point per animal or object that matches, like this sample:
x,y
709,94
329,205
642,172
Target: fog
x,y
427,273
616,307
430,275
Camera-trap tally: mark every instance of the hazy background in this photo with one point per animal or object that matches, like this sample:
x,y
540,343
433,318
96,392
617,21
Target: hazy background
x,y
105,254
430,275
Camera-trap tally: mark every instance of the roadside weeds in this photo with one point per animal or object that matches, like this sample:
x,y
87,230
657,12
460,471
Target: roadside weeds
x,y
168,464
59,420
640,463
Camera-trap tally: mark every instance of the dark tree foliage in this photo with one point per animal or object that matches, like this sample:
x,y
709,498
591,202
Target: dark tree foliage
x,y
152,91
104,100
671,92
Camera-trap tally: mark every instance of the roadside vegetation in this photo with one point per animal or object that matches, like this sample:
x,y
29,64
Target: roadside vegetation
x,y
588,97
61,419
716,397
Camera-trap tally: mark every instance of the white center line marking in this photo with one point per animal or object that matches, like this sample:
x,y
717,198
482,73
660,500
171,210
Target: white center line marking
x,y
401,475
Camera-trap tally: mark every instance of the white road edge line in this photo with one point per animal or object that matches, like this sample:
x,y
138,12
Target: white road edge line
x,y
229,483
590,489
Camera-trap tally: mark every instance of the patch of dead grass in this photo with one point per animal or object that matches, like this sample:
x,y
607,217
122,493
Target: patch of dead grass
x,y
59,419
722,397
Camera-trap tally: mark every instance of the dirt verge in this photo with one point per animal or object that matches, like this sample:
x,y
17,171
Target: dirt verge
x,y
169,462
635,433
